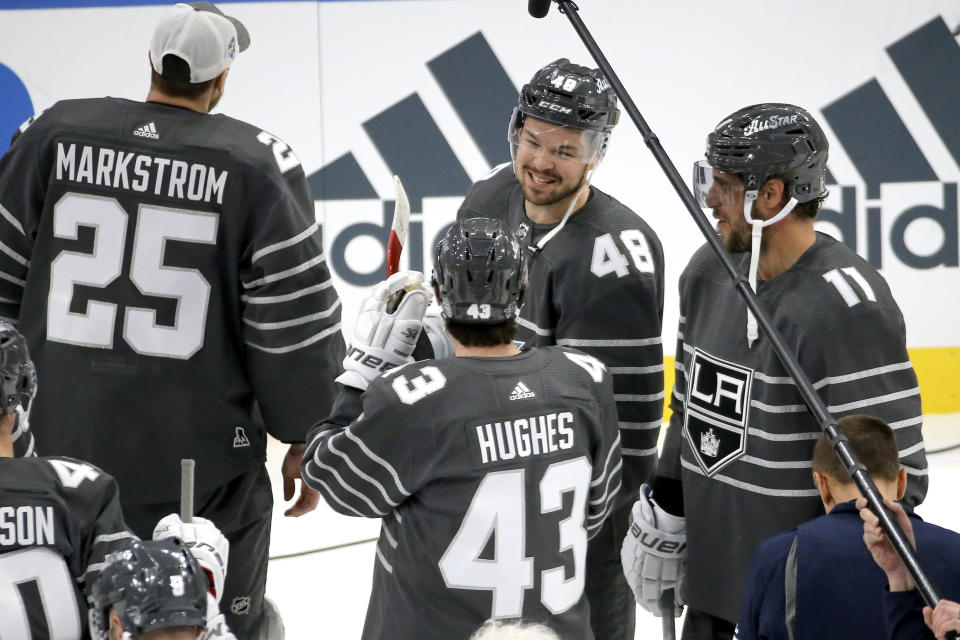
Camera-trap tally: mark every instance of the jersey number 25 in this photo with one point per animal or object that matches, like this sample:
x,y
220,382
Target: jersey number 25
x,y
155,226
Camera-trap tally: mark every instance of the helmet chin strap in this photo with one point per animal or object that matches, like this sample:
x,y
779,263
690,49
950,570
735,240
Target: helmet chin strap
x,y
548,236
756,237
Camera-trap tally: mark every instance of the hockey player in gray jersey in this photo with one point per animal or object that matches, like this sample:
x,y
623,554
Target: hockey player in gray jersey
x,y
491,470
736,462
59,520
59,517
170,258
596,281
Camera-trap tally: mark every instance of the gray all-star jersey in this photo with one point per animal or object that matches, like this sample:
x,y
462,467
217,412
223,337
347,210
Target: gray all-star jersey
x,y
166,269
59,518
490,475
597,286
741,438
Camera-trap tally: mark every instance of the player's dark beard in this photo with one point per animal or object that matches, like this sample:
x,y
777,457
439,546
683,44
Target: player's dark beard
x,y
738,240
558,195
739,237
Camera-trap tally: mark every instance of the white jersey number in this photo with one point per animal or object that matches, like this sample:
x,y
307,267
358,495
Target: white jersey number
x,y
498,509
282,153
608,259
835,277
47,570
72,474
155,225
416,389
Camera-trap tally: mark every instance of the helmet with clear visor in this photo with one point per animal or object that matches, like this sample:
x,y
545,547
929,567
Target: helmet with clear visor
x,y
576,99
759,142
748,148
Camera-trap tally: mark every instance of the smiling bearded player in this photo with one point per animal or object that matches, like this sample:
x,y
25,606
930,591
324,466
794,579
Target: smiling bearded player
x,y
595,283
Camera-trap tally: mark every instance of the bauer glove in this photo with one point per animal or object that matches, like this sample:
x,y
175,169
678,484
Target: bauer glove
x,y
654,553
386,330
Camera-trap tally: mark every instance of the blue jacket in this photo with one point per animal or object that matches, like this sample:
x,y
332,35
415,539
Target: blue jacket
x,y
818,581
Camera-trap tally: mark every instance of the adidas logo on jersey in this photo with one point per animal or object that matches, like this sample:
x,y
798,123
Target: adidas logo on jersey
x,y
522,391
148,130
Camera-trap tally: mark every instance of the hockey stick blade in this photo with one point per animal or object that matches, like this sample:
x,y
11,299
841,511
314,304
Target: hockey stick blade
x,y
398,230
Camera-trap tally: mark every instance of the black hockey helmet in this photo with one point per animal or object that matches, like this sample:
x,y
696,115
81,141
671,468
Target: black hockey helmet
x,y
570,95
479,270
152,584
765,140
18,377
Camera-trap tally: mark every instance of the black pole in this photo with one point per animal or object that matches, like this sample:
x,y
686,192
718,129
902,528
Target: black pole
x,y
813,401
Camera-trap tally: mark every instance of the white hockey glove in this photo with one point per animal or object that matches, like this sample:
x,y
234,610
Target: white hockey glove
x,y
654,553
384,337
217,628
206,543
439,340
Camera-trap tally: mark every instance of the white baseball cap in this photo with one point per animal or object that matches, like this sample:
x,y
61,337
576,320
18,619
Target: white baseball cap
x,y
202,36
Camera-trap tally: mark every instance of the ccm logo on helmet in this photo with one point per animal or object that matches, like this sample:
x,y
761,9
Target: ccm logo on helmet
x,y
368,360
554,107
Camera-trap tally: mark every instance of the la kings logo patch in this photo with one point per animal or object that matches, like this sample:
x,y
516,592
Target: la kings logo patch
x,y
717,410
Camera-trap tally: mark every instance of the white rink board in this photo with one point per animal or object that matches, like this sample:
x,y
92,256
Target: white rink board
x,y
316,72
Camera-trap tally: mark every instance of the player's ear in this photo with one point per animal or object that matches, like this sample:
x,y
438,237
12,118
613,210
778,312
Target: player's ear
x,y
901,483
221,81
116,626
823,487
771,196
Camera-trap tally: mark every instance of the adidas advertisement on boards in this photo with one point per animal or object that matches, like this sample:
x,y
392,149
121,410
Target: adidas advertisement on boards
x,y
359,99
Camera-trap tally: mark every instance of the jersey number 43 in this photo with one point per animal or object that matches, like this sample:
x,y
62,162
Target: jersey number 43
x,y
499,509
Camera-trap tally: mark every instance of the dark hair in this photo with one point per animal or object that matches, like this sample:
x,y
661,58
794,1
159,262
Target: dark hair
x,y
482,335
175,81
873,442
808,209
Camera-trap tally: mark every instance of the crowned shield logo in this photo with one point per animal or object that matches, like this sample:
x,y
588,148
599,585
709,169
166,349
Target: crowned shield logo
x,y
717,411
709,444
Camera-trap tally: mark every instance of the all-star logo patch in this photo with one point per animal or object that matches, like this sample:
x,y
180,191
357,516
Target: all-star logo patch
x,y
717,410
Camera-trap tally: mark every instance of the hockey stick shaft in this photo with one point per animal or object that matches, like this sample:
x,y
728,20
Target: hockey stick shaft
x,y
187,466
666,615
813,401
